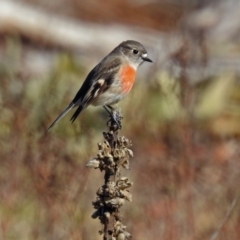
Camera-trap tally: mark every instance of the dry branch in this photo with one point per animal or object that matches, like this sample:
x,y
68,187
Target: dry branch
x,y
113,154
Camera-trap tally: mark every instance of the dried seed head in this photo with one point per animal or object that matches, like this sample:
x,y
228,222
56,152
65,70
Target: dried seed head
x,y
100,155
127,235
111,187
107,215
117,227
113,153
125,179
121,236
109,159
95,214
122,185
117,224
115,202
100,191
130,152
106,144
97,203
125,194
94,163
126,165
116,153
124,142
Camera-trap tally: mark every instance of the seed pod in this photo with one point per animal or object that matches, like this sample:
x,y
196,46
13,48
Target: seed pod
x,y
100,191
94,163
107,215
95,214
121,236
126,165
127,195
127,235
115,202
130,152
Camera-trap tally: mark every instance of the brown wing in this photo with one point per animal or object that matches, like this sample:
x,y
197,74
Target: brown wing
x,y
97,81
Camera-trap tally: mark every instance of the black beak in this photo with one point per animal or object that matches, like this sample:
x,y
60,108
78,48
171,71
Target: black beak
x,y
147,59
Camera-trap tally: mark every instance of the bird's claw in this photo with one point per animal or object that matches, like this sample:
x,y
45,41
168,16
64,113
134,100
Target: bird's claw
x,y
115,117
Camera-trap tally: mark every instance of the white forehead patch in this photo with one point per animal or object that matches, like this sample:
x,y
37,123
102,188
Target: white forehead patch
x,y
144,55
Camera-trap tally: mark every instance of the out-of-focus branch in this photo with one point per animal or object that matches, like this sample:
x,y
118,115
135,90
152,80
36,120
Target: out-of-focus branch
x,y
230,210
212,27
51,28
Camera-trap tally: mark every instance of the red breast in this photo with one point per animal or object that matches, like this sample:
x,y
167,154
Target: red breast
x,y
128,75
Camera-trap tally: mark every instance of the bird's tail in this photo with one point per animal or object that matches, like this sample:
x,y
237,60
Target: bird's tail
x,y
68,108
78,111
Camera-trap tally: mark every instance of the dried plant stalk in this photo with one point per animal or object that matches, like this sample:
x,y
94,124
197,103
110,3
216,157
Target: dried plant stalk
x,y
113,154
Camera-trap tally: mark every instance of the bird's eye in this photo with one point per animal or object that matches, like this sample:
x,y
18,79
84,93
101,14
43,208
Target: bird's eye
x,y
135,51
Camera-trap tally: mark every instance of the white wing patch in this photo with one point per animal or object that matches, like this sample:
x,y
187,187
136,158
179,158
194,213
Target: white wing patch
x,y
96,93
99,83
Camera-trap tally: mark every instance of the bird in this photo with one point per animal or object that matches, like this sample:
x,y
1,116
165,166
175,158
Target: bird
x,y
110,80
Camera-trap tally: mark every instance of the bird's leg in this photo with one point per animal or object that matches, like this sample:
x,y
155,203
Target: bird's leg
x,y
107,107
110,107
114,114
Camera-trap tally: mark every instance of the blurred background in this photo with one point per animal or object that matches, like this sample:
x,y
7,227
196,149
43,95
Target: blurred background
x,y
183,117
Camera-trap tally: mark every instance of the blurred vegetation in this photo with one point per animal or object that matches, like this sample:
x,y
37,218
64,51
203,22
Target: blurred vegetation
x,y
186,144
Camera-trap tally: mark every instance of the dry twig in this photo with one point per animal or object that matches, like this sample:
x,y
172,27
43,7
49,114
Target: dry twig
x,y
230,210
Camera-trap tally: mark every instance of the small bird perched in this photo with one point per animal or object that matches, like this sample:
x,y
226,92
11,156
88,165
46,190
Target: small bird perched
x,y
110,81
